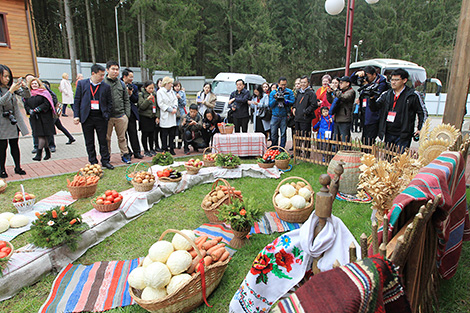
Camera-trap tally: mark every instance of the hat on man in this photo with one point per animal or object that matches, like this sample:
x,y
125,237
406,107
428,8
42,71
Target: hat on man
x,y
345,79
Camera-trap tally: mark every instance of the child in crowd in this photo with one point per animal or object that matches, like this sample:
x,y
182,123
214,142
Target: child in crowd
x,y
325,125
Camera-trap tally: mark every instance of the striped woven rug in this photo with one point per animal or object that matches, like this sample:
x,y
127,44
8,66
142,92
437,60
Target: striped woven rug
x,y
97,287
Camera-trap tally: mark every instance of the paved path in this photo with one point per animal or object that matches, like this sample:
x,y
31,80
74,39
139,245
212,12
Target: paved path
x,y
70,158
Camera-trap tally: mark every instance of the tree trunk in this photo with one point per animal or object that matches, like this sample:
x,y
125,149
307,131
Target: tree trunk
x,y
63,31
145,72
126,56
71,39
230,33
90,31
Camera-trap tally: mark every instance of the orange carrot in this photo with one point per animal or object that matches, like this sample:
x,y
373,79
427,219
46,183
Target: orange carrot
x,y
237,192
37,214
68,182
193,253
217,254
209,244
73,221
207,260
219,239
224,188
195,262
62,208
215,247
224,256
200,239
54,214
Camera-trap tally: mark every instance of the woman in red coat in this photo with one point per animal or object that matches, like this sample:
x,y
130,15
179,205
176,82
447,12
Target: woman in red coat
x,y
321,97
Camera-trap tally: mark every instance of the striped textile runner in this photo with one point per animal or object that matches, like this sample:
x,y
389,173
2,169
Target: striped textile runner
x,y
97,287
352,198
271,223
217,230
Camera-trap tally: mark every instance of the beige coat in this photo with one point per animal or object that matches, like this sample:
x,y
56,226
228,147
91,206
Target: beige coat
x,y
209,103
67,93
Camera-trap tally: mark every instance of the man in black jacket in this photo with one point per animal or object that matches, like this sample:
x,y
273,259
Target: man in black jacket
x,y
239,104
92,108
399,107
133,91
304,107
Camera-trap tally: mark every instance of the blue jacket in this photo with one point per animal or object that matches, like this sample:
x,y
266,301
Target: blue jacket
x,y
281,111
82,100
324,124
370,117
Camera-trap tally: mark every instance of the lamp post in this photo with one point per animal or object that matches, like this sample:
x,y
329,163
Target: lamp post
x,y
117,31
334,7
357,48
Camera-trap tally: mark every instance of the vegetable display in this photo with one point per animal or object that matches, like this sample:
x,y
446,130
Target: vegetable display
x,y
227,160
5,250
269,156
240,214
18,197
109,197
293,196
218,193
9,219
82,181
169,172
162,158
282,156
169,265
210,157
194,163
143,177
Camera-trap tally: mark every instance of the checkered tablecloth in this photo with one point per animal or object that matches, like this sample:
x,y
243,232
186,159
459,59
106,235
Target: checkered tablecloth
x,y
241,144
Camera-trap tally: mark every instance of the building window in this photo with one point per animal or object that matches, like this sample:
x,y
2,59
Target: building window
x,y
4,38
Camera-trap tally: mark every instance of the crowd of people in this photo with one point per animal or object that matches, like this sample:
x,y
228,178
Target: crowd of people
x,y
106,102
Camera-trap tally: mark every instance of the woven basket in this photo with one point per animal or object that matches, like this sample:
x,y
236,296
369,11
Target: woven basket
x,y
79,192
266,165
5,259
170,180
281,164
213,210
230,167
190,295
25,206
294,216
206,162
2,189
135,169
350,178
225,129
142,187
106,207
192,170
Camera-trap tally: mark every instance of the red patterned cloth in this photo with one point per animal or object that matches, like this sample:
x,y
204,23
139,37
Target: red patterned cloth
x,y
445,175
241,144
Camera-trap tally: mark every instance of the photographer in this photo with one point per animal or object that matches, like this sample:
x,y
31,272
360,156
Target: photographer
x,y
133,91
239,105
342,108
11,120
371,86
209,125
191,127
280,102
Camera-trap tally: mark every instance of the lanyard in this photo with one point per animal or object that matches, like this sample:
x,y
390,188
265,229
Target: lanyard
x,y
395,99
94,93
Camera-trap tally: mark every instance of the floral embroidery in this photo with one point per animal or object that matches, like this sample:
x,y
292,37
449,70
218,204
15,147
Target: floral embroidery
x,y
261,265
285,241
285,259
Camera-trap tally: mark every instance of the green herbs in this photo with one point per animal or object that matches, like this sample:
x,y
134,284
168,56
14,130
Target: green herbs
x,y
60,225
240,214
283,156
162,158
227,160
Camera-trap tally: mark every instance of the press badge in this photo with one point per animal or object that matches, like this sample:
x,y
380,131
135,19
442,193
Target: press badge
x,y
391,116
95,105
364,103
328,134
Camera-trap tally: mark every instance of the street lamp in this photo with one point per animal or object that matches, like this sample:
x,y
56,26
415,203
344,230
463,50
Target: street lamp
x,y
357,48
334,7
117,30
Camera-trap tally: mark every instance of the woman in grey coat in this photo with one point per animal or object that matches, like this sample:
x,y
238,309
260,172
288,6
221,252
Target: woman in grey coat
x,y
11,120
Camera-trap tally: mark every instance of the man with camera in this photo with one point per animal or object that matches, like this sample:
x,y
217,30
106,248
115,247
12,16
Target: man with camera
x,y
342,102
372,85
280,102
133,91
398,108
191,127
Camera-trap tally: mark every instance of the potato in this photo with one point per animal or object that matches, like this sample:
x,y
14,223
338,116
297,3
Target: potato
x,y
207,203
220,194
145,181
215,199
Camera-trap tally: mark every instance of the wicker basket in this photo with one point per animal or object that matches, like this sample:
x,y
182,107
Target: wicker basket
x,y
225,129
5,259
106,207
281,164
135,169
266,165
213,210
141,187
190,295
192,170
230,167
79,192
2,189
206,162
294,216
350,178
170,180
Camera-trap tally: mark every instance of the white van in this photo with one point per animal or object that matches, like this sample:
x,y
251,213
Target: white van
x,y
224,84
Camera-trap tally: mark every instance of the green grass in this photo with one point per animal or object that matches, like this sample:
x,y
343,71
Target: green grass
x,y
183,211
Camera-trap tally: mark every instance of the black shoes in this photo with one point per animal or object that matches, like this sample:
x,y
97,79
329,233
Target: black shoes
x,y
20,171
3,174
138,156
52,149
70,141
172,152
148,154
47,156
108,165
38,155
35,150
158,150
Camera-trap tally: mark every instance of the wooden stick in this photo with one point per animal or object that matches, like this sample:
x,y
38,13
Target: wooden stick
x,y
363,246
352,253
397,253
383,249
385,230
375,239
336,264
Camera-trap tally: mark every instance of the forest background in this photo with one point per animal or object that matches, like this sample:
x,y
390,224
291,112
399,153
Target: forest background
x,y
266,37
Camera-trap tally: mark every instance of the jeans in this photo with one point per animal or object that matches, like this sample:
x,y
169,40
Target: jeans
x,y
278,123
343,131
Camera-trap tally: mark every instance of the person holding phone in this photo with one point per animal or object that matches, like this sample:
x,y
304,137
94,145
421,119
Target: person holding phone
x,y
11,120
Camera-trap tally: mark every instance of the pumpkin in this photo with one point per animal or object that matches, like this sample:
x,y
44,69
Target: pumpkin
x,y
176,282
151,293
136,278
179,261
181,243
160,251
19,221
157,275
287,190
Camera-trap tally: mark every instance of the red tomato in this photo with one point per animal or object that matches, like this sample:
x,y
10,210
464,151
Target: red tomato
x,y
117,199
160,174
108,192
100,198
2,255
2,244
115,194
109,198
107,202
166,173
7,250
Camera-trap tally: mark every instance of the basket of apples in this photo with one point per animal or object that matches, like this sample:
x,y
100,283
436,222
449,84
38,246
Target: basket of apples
x,y
193,166
209,158
23,201
107,202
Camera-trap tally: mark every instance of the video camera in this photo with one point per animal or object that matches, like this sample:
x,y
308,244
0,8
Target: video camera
x,y
280,97
370,90
9,114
